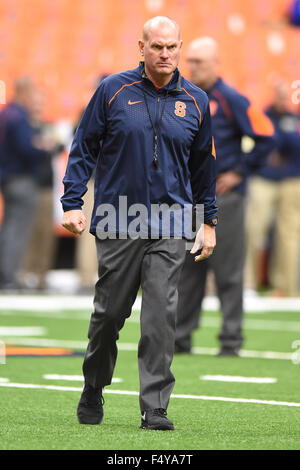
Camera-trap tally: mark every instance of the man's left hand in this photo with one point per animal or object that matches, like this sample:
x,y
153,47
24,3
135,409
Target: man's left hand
x,y
205,238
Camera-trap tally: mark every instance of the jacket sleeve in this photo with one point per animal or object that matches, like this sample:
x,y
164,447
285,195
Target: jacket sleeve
x,y
254,124
202,165
288,143
84,151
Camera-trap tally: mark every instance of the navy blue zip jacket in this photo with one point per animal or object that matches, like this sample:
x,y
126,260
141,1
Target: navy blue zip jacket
x,y
17,154
233,117
287,138
115,133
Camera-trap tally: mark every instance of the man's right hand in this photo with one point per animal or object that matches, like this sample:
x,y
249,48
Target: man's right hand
x,y
74,221
226,181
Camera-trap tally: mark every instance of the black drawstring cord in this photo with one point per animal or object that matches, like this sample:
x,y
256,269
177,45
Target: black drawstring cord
x,y
155,129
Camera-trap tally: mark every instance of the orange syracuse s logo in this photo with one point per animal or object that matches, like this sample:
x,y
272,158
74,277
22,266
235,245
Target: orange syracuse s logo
x,y
180,109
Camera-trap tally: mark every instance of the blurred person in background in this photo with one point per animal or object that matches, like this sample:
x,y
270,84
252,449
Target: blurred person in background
x,y
20,160
40,250
86,254
265,194
233,117
287,229
293,13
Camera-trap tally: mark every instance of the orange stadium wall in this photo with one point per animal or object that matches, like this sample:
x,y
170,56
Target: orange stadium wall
x,y
65,44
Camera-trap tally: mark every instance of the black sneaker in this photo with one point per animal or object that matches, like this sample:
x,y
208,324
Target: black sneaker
x,y
90,406
156,419
179,350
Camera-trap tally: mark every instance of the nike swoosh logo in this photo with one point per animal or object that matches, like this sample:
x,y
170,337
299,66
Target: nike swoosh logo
x,y
133,102
144,416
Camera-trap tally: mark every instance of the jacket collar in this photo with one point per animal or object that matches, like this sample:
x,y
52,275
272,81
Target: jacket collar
x,y
217,83
173,86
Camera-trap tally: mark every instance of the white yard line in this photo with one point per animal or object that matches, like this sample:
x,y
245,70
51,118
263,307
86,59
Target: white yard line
x,y
39,342
57,314
239,379
74,378
249,324
22,331
77,302
206,322
248,353
134,393
81,345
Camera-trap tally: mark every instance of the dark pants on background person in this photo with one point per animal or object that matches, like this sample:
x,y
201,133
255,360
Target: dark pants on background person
x,y
124,266
227,263
20,194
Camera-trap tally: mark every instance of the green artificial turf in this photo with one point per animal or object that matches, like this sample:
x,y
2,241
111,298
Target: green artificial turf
x,y
46,419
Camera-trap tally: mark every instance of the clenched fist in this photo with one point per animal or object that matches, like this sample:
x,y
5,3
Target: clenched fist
x,y
74,221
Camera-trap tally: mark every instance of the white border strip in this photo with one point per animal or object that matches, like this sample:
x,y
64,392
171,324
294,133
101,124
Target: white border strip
x,y
134,393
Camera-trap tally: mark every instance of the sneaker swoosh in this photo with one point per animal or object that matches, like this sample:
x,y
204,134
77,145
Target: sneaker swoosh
x,y
133,102
144,416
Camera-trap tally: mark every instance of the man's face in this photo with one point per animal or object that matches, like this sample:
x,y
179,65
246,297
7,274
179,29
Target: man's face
x,y
281,96
201,65
161,50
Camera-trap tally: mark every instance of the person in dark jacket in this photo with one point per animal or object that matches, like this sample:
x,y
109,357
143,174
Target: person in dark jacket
x,y
20,159
41,245
156,151
233,117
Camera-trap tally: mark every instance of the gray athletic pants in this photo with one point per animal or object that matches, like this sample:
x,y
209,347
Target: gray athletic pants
x,y
227,263
20,195
124,266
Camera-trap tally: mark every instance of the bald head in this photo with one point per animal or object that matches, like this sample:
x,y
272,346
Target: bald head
x,y
204,47
161,24
23,91
22,85
281,95
160,48
202,59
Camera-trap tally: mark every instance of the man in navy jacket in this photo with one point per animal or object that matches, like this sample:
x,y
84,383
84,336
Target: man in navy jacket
x,y
20,164
233,118
147,131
